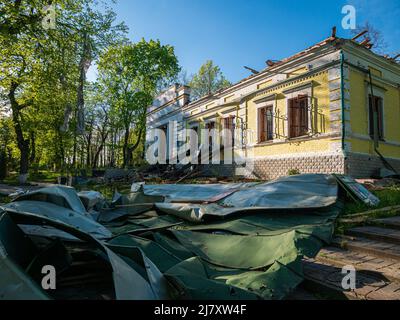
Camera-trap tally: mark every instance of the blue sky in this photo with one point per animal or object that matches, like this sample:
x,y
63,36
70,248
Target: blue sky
x,y
248,32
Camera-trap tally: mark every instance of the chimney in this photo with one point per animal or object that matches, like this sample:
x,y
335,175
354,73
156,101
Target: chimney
x,y
183,95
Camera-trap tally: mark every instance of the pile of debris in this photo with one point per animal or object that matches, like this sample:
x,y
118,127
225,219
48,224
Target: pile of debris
x,y
214,241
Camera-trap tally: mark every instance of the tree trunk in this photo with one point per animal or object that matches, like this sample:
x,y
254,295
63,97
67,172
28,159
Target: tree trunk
x,y
98,152
125,147
88,149
84,65
22,143
134,147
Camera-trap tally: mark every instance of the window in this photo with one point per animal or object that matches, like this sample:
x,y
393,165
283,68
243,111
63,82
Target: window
x,y
229,123
265,121
210,126
376,102
298,116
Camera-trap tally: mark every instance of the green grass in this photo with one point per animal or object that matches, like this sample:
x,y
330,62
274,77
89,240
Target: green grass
x,y
388,197
41,176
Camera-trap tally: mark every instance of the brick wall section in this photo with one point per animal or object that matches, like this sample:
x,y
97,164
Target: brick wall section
x,y
355,165
274,168
362,165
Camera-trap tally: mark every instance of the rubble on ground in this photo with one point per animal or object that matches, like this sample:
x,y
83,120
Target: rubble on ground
x,y
170,241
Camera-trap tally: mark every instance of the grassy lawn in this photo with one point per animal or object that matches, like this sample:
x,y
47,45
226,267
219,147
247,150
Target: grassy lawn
x,y
388,197
40,176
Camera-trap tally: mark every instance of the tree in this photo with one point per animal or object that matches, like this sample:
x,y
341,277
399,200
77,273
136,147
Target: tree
x,y
208,80
375,37
96,31
130,74
41,68
97,124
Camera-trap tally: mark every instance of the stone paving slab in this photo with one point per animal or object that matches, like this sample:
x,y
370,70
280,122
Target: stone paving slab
x,y
368,287
376,233
367,264
376,248
392,222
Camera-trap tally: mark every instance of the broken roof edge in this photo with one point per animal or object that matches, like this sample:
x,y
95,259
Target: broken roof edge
x,y
336,43
349,43
262,73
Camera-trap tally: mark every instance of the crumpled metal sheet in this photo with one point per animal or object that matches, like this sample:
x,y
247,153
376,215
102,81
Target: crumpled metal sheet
x,y
129,284
247,244
15,284
309,191
92,200
59,195
298,191
62,214
230,241
192,192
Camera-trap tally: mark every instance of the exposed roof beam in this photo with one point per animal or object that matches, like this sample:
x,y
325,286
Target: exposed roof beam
x,y
252,70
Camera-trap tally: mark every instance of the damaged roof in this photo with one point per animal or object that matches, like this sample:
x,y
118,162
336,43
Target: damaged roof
x,y
227,241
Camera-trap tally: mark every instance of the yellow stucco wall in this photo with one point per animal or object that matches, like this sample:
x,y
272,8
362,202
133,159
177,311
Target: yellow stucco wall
x,y
359,116
320,98
317,145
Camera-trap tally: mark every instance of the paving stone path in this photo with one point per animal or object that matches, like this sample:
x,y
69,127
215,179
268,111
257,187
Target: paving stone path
x,y
373,250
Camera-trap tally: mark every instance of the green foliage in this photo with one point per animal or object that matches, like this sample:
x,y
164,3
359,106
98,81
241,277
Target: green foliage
x,y
388,197
51,118
208,80
43,70
293,172
130,74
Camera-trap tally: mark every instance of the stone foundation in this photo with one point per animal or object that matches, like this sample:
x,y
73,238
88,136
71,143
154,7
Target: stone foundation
x,y
360,165
278,167
355,165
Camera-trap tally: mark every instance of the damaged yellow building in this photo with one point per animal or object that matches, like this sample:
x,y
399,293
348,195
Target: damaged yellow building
x,y
332,108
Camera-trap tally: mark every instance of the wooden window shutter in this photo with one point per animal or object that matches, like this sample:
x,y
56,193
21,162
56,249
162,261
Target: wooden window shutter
x,y
269,122
374,101
290,117
303,105
261,124
370,117
293,118
380,116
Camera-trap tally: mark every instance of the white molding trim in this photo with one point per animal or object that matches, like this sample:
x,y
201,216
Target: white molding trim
x,y
371,155
368,138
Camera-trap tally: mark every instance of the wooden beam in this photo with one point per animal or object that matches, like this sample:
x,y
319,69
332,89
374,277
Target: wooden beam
x,y
360,34
252,70
333,35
